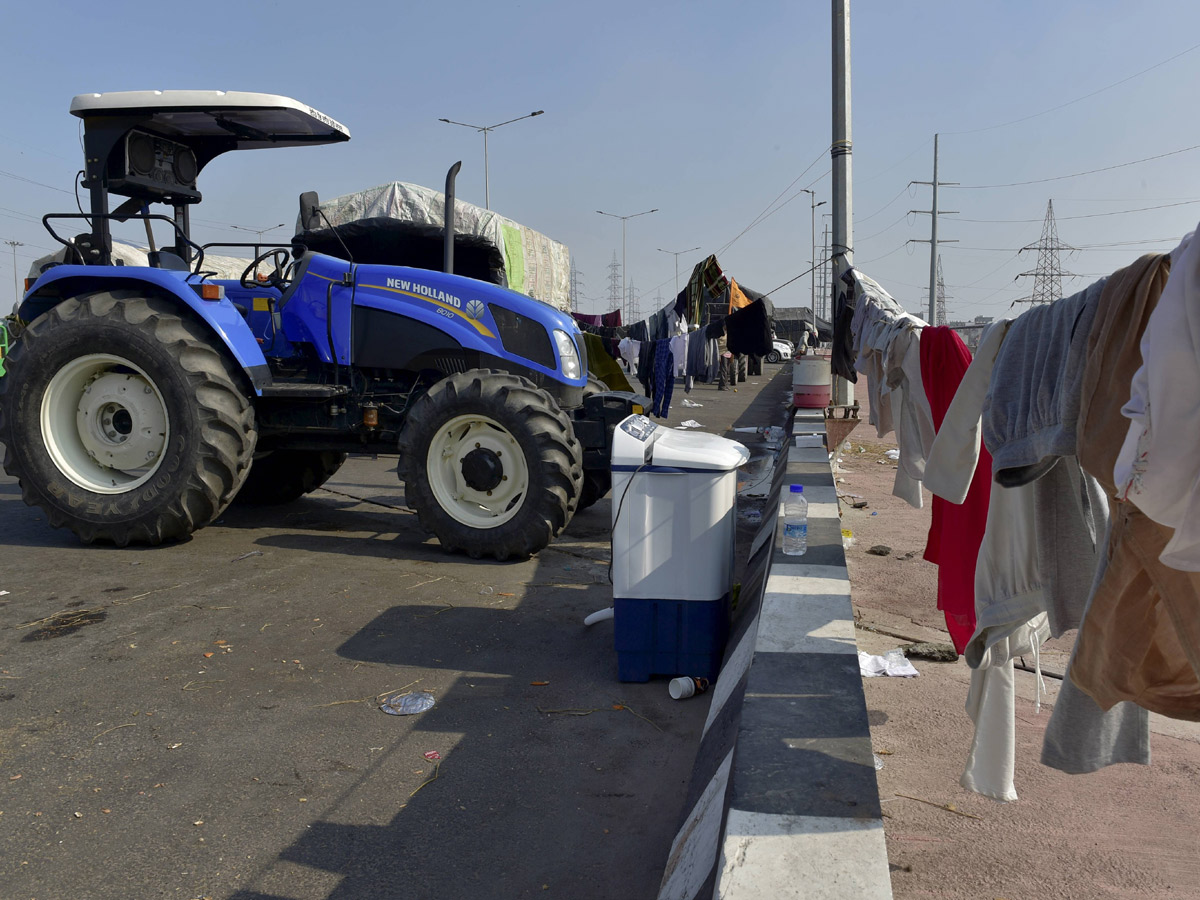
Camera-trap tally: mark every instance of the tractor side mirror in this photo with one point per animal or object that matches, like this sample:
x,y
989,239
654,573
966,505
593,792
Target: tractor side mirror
x,y
310,219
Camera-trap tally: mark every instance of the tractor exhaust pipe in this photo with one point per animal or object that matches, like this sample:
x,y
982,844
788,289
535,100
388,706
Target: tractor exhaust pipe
x,y
448,215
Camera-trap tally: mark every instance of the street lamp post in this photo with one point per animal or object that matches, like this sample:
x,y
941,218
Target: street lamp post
x,y
16,278
812,276
487,197
259,232
677,254
624,219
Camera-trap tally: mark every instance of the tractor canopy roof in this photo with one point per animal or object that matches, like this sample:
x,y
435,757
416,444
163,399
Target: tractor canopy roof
x,y
208,120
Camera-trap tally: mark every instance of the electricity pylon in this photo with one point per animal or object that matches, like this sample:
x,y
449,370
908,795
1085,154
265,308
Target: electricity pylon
x,y
1048,276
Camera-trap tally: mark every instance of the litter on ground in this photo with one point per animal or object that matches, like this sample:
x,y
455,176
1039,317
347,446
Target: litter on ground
x,y
891,663
408,704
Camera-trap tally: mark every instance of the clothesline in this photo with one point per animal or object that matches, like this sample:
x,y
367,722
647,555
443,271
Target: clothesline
x,y
1027,447
668,343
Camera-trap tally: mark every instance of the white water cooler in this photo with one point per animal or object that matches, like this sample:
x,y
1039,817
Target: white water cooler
x,y
673,502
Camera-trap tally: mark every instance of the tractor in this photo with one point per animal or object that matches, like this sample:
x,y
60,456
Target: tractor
x,y
141,400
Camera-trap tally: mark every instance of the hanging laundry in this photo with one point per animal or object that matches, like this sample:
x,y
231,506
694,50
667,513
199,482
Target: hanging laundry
x,y
910,412
602,365
612,335
658,325
664,378
645,367
630,351
957,529
749,329
1036,559
737,297
679,351
1031,410
851,289
1140,638
706,284
1158,467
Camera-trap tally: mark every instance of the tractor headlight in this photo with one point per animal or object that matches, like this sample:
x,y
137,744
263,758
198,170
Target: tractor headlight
x,y
568,356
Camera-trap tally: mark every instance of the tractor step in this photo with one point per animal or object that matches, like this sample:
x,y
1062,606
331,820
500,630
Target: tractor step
x,y
297,391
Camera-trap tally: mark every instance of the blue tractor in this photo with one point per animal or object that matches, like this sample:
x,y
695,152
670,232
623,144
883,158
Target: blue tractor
x,y
139,401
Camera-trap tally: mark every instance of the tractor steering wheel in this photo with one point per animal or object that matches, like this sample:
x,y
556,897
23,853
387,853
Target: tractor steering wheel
x,y
280,275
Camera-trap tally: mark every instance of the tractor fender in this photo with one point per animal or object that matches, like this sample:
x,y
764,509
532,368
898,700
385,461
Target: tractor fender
x,y
220,316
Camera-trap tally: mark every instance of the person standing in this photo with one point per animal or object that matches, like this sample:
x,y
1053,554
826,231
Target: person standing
x,y
726,371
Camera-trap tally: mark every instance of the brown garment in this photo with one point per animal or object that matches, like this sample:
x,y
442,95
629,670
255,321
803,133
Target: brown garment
x,y
737,299
1140,637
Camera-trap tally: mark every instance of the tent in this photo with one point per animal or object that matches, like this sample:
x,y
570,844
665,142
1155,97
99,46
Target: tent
x,y
790,321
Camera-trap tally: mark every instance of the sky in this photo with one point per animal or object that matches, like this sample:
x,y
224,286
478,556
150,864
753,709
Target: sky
x,y
718,115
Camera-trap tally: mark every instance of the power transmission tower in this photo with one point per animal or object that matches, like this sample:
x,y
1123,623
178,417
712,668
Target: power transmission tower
x,y
933,241
940,316
1048,276
576,284
633,306
822,309
614,284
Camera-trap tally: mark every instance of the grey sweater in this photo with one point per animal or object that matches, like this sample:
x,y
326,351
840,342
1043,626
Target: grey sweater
x,y
1032,406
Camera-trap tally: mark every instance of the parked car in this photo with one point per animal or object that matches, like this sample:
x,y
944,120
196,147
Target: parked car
x,y
780,350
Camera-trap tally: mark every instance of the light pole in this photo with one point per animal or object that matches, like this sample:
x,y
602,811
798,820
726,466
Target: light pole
x,y
16,280
677,254
624,219
812,276
258,231
487,197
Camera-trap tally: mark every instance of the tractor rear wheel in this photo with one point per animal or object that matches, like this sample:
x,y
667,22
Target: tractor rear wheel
x,y
490,464
122,421
281,476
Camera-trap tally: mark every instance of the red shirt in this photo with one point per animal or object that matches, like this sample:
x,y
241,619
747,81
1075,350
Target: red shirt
x,y
957,529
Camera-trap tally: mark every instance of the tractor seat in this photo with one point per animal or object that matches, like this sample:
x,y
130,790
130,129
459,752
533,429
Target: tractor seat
x,y
165,259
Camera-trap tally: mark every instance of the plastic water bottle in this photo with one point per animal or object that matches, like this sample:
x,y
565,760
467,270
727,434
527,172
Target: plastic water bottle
x,y
795,522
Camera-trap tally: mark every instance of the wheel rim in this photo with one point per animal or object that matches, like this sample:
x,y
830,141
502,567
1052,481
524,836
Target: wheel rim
x,y
104,423
448,455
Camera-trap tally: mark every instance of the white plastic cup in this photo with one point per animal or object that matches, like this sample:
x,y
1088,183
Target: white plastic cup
x,y
682,688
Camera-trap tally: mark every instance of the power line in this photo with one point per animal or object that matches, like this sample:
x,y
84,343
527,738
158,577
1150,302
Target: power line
x,y
38,183
1116,212
863,240
1078,99
906,188
762,215
1105,246
976,187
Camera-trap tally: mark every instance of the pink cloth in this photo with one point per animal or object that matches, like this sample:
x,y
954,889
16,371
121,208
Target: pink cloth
x,y
957,529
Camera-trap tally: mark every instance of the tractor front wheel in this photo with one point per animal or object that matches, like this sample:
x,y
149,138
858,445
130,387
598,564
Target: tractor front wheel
x,y
490,464
122,421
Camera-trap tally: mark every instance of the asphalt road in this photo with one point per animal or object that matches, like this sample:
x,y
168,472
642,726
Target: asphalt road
x,y
201,720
